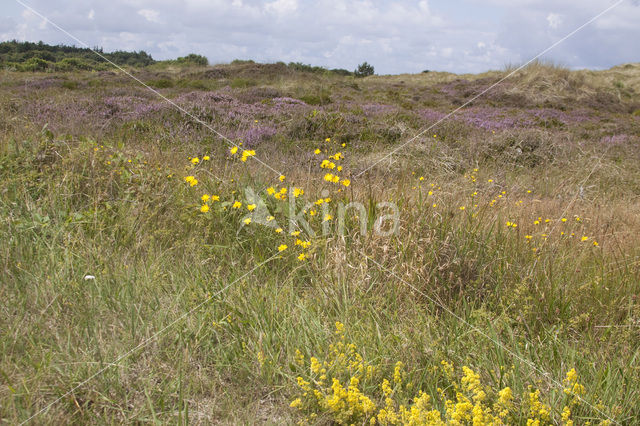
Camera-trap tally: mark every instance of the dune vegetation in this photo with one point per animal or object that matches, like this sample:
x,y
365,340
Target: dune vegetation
x,y
487,272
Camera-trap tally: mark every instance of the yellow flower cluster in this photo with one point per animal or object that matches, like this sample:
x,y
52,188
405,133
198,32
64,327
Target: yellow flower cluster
x,y
278,192
345,389
246,153
538,412
328,163
572,387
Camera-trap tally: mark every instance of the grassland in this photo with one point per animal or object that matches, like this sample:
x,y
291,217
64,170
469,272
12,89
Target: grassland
x,y
507,295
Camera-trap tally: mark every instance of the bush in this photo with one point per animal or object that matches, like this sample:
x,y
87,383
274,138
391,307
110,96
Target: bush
x,y
24,55
163,83
72,64
71,85
242,83
299,66
364,70
35,64
193,59
341,71
321,98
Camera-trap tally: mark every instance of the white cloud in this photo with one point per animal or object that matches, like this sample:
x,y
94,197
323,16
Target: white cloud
x,y
424,6
393,35
554,20
150,15
282,7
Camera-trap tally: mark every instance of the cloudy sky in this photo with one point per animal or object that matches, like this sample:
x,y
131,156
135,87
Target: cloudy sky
x,y
396,36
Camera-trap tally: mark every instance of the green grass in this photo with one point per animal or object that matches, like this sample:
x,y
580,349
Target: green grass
x,y
451,284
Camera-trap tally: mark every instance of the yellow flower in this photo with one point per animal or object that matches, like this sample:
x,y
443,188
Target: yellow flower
x,y
233,150
595,244
317,151
215,198
206,158
346,182
270,218
296,403
325,164
282,178
251,207
204,208
297,192
327,217
339,327
247,221
421,178
205,198
195,160
247,153
271,190
189,179
564,219
278,231
328,177
584,238
397,372
505,396
237,205
193,182
302,256
282,247
462,207
295,233
327,140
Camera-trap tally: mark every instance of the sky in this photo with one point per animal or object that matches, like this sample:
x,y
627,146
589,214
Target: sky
x,y
395,36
